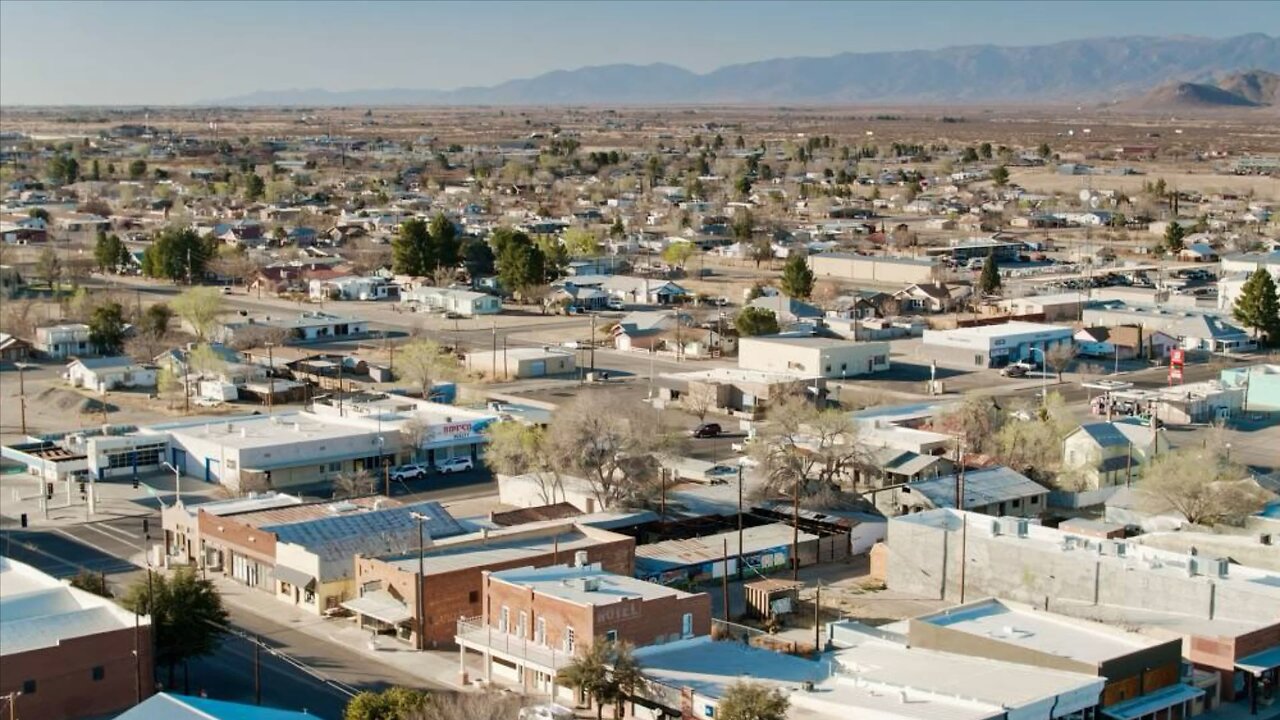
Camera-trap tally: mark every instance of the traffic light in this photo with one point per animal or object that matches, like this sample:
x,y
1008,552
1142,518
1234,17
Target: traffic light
x,y
82,490
24,520
135,482
48,491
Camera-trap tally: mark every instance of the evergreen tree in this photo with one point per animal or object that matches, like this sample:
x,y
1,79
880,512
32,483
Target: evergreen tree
x,y
477,258
754,321
445,238
1000,175
106,328
989,280
412,249
254,187
1258,307
187,617
178,254
1173,235
797,278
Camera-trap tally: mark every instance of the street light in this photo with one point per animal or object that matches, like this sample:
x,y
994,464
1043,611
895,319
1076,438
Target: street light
x,y
418,594
177,483
1044,377
271,378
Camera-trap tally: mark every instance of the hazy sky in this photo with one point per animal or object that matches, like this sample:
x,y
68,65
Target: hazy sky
x,y
180,52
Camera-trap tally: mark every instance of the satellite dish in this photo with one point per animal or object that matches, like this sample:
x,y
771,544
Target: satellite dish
x,y
1085,195
1094,202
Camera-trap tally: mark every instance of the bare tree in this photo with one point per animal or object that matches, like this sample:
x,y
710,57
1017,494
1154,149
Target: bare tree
x,y
617,454
356,483
490,705
1034,446
975,422
423,362
258,336
518,449
698,402
1059,357
1201,484
19,317
802,447
413,433
199,307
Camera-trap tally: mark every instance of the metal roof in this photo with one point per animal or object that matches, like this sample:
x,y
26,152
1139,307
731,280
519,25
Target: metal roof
x,y
364,523
981,487
168,706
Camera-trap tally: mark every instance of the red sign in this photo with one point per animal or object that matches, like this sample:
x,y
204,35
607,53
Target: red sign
x,y
1177,356
1175,373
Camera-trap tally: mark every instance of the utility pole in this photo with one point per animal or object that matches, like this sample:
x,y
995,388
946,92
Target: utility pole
x,y
137,658
724,580
593,343
817,618
22,394
494,365
418,595
964,528
271,381
386,477
795,531
739,522
257,670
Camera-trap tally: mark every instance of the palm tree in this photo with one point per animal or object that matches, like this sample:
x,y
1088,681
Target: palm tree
x,y
628,679
589,673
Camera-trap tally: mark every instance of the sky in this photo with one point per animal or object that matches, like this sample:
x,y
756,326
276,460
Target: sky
x,y
130,53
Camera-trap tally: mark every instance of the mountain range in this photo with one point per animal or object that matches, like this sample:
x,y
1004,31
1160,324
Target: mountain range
x,y
1071,71
1251,89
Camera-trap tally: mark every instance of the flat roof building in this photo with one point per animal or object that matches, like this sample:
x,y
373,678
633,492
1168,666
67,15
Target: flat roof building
x,y
764,547
993,345
812,356
66,653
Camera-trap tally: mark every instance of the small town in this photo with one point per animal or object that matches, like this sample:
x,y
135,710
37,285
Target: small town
x,y
762,390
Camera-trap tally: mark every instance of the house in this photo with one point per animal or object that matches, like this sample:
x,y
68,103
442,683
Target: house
x,y
110,373
1198,252
894,466
466,303
812,356
605,265
997,491
1194,329
67,653
643,291
787,310
13,349
537,620
62,341
82,222
523,362
701,559
351,287
701,343
994,345
1105,454
1123,342
932,297
732,391
649,330
586,297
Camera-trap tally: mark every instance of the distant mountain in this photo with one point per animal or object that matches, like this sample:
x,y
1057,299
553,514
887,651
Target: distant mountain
x,y
1251,89
1070,71
1257,86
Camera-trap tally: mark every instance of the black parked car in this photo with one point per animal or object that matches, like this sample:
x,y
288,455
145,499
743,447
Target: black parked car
x,y
706,430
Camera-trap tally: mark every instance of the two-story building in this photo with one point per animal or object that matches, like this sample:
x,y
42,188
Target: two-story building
x,y
63,341
536,620
1106,454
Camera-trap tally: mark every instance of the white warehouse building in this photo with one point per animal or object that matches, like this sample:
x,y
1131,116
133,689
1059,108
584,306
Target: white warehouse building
x,y
993,345
812,356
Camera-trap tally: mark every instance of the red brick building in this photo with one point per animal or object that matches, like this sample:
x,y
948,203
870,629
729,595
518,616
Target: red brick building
x,y
536,620
66,653
454,574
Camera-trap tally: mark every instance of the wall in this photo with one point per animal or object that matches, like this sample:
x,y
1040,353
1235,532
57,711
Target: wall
x,y
65,687
846,267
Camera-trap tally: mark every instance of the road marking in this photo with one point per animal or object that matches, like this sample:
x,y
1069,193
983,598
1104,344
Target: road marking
x,y
114,529
116,538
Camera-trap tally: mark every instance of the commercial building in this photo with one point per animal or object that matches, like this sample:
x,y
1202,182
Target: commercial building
x,y
305,327
1200,402
993,345
990,491
1140,672
1261,385
536,620
514,363
302,554
1194,329
764,548
1227,615
732,391
812,357
66,653
451,581
874,666
875,268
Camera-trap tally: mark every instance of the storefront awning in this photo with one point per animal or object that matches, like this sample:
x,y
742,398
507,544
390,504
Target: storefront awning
x,y
297,578
380,605
1260,662
1152,702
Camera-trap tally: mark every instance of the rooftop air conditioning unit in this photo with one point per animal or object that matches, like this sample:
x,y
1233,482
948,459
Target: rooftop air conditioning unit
x,y
1221,566
995,528
1121,548
1193,565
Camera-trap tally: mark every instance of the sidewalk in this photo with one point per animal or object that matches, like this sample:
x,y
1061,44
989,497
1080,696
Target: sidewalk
x,y
437,667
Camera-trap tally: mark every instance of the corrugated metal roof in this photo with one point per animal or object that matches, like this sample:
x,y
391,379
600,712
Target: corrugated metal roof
x,y
981,487
360,523
168,706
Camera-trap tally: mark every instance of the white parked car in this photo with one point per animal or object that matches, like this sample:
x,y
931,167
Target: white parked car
x,y
453,465
616,304
545,712
409,472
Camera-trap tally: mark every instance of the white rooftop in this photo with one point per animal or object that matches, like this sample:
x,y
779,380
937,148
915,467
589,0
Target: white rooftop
x,y
710,667
39,611
997,620
1015,327
250,503
586,585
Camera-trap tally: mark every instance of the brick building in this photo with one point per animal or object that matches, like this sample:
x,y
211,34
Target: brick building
x,y
453,574
66,653
536,620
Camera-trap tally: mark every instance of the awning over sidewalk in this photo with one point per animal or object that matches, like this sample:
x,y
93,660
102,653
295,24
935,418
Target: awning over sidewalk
x,y
297,578
1260,662
1152,702
380,605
